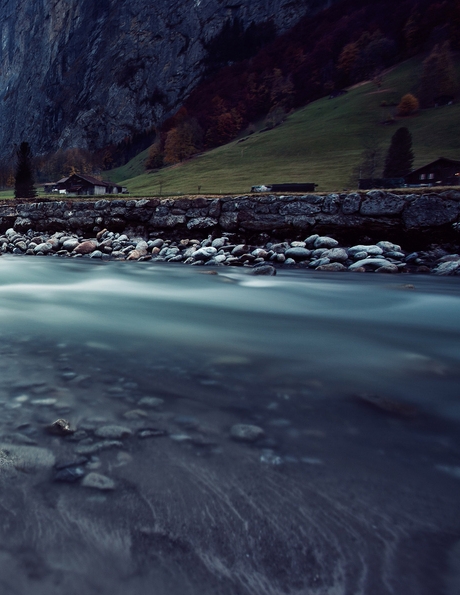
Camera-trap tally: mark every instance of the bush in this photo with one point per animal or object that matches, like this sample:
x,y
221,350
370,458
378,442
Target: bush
x,y
408,105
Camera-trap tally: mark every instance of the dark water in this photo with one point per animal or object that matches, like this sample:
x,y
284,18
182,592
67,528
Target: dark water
x,y
354,488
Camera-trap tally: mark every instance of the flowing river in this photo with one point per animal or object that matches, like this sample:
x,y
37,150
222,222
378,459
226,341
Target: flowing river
x,y
353,487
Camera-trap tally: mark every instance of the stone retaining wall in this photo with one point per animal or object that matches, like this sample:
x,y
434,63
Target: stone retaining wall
x,y
376,214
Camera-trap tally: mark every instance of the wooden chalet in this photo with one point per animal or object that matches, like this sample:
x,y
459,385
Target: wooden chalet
x,y
82,184
442,172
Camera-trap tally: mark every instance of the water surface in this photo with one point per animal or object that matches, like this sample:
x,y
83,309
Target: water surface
x,y
354,379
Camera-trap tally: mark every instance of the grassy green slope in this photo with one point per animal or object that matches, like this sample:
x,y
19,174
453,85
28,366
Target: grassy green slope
x,y
134,167
320,143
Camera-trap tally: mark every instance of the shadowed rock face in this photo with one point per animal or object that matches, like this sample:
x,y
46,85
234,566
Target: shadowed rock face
x,y
87,74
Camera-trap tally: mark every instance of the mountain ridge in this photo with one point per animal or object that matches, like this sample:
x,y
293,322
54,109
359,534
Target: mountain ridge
x,y
78,74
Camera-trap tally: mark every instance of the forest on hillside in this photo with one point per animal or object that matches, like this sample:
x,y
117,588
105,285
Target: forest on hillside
x,y
352,41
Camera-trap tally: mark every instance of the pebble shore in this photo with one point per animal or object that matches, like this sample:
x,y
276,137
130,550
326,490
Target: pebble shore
x,y
321,253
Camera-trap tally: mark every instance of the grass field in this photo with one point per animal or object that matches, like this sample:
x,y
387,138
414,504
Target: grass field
x,y
319,143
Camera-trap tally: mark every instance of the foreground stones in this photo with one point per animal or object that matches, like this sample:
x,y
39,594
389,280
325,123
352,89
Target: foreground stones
x,y
316,252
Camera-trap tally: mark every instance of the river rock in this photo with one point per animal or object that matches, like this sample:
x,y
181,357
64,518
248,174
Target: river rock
x,y
113,432
28,458
70,244
325,242
98,481
219,243
204,253
371,250
263,270
388,268
246,433
142,247
133,255
388,246
372,262
332,266
298,253
61,427
44,248
447,268
68,475
336,255
85,247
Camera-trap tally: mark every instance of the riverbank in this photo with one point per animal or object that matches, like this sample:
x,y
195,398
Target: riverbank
x,y
321,253
411,219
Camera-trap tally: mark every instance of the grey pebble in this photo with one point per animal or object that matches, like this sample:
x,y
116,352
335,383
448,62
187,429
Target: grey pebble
x,y
246,432
98,481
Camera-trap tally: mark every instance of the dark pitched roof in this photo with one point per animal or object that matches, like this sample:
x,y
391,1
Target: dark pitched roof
x,y
92,180
96,182
444,159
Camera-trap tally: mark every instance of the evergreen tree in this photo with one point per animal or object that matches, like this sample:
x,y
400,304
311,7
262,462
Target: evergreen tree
x,y
399,159
24,180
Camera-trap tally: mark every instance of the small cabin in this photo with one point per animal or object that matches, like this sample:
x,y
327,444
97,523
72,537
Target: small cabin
x,y
81,184
442,172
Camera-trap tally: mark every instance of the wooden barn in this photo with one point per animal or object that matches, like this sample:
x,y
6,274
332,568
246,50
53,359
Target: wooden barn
x,y
82,184
442,172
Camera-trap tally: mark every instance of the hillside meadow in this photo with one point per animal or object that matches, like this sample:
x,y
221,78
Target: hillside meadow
x,y
321,143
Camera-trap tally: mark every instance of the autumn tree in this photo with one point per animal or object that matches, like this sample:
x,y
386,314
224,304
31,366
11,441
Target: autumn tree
x,y
408,105
183,141
400,157
155,158
224,123
24,180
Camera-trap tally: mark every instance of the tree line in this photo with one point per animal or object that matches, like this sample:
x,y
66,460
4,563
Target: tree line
x,y
352,41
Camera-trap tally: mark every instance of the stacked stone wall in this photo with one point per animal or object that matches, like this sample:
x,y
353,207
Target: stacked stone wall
x,y
375,214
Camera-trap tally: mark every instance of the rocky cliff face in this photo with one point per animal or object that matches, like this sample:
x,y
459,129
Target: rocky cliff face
x,y
79,73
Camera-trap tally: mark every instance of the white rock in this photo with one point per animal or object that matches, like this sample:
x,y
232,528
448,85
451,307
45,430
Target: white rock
x,y
374,262
246,432
204,253
372,250
98,481
447,268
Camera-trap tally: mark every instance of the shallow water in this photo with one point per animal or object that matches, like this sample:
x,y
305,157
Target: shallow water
x,y
354,379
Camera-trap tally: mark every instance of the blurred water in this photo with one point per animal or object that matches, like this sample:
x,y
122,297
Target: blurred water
x,y
357,333
354,379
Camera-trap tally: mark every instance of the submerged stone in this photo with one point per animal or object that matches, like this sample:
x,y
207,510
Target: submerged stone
x,y
69,475
246,432
61,427
98,481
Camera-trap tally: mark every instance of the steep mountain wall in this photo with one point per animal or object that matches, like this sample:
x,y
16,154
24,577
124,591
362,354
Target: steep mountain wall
x,y
79,73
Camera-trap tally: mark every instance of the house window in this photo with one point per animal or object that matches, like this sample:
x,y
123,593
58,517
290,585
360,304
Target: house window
x,y
422,176
431,176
